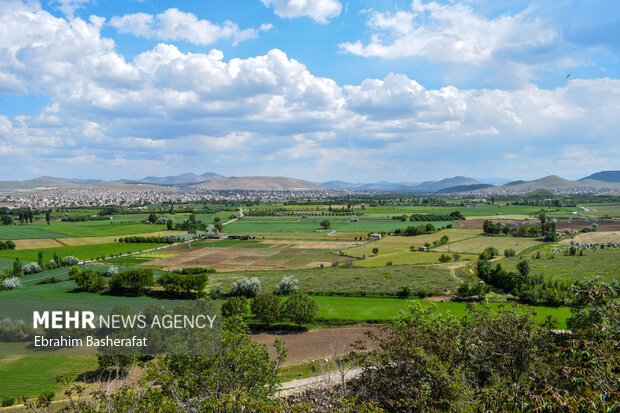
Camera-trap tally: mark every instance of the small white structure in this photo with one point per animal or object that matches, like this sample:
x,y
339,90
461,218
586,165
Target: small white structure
x,y
374,236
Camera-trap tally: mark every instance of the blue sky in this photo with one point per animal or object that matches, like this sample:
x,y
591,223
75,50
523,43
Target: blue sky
x,y
315,89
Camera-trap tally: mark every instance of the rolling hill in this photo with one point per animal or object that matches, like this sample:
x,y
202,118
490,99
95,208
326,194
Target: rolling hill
x,y
605,176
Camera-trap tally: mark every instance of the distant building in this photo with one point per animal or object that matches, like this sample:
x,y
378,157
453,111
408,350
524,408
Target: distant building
x,y
375,236
354,219
422,248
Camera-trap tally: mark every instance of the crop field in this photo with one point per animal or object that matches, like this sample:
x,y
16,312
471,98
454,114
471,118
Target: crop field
x,y
24,244
82,252
593,237
75,229
351,280
602,263
477,244
292,235
398,244
338,224
407,258
31,375
385,309
599,210
276,256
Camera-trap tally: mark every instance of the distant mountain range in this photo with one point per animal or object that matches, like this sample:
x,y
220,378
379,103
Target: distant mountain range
x,y
183,179
424,187
606,176
604,181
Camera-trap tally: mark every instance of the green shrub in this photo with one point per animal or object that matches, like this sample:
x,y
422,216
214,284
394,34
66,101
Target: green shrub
x,y
135,282
235,307
300,308
267,308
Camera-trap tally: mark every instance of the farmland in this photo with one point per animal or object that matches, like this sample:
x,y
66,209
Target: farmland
x,y
77,229
81,252
337,266
338,224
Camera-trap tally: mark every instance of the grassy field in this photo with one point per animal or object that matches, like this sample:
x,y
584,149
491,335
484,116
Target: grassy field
x,y
351,280
76,229
339,224
603,263
31,375
477,244
599,210
81,252
384,309
407,258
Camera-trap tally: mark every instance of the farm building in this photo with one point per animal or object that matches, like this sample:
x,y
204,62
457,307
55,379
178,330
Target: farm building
x,y
374,236
422,248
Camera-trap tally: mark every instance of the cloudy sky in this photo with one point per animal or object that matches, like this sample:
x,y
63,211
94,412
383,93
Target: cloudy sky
x,y
316,89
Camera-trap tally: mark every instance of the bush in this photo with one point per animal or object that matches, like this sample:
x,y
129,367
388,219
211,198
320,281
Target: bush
x,y
287,285
445,258
88,280
509,252
235,307
135,282
7,401
10,283
405,291
177,282
489,253
216,293
31,268
247,287
112,270
267,308
69,260
48,280
301,309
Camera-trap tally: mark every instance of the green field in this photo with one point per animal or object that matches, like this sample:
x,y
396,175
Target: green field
x,y
76,229
351,280
31,375
82,252
477,244
338,224
384,309
603,263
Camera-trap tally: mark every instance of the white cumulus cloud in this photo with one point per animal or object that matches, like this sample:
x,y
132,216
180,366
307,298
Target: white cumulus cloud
x,y
174,24
451,32
320,11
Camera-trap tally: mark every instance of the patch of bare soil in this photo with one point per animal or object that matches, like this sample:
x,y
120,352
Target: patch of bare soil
x,y
316,343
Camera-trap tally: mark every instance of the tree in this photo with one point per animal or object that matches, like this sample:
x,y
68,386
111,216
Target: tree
x,y
48,217
287,285
40,258
170,224
218,226
524,268
17,268
489,253
325,223
509,252
246,287
375,250
235,307
300,308
267,308
152,218
445,258
135,282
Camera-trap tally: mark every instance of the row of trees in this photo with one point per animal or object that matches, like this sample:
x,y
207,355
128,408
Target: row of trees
x,y
416,230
